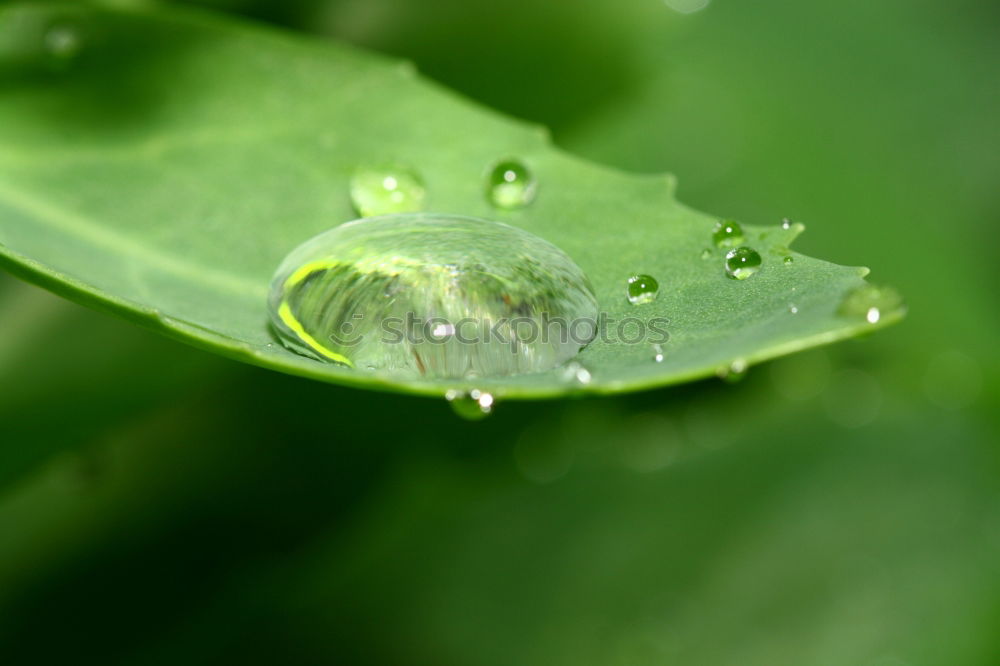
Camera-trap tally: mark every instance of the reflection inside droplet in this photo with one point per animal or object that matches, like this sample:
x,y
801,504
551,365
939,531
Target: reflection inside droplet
x,y
435,296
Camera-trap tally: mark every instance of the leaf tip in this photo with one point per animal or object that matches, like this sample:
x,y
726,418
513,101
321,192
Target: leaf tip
x,y
794,231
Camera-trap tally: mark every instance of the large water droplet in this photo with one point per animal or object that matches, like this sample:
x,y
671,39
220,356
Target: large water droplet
x,y
386,189
474,405
742,262
510,185
437,296
642,289
727,234
870,303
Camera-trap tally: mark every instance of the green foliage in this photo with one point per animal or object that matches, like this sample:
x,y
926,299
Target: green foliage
x,y
225,146
161,505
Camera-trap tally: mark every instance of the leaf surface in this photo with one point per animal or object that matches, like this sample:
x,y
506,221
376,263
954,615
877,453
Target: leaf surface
x,y
164,168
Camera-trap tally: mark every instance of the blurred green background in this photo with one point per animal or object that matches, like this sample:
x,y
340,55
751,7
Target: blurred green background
x,y
159,505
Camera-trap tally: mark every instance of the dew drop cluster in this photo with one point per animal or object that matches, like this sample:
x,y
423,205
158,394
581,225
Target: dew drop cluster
x,y
417,295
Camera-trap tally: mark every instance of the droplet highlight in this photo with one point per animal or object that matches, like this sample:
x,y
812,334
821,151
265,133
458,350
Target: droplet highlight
x,y
734,372
871,303
727,233
510,184
433,296
473,405
742,263
642,289
658,354
577,373
386,190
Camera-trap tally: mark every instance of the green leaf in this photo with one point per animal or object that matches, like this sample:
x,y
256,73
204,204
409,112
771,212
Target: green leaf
x,y
163,165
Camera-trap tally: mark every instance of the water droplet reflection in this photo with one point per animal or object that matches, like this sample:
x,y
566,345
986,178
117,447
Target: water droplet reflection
x,y
871,303
384,190
727,233
741,263
510,184
436,296
472,406
642,289
734,372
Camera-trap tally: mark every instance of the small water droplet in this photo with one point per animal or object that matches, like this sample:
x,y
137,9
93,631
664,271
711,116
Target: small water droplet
x,y
62,43
727,234
658,353
471,406
870,303
786,223
742,262
386,189
577,373
706,254
788,260
510,184
470,298
733,372
642,289
793,309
